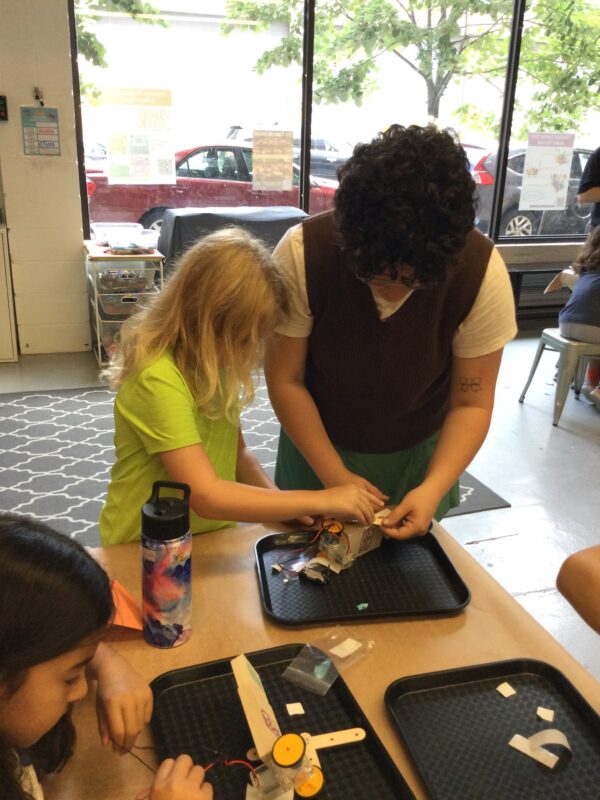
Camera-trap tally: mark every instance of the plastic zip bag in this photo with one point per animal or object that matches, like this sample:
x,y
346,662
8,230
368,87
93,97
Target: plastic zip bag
x,y
317,665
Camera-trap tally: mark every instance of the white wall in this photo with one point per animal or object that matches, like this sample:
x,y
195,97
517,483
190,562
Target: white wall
x,y
41,193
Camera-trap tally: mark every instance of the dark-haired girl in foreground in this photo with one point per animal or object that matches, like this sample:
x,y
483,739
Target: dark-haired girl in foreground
x,y
55,608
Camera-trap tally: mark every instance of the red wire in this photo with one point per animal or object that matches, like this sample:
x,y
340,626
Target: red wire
x,y
233,762
290,553
243,763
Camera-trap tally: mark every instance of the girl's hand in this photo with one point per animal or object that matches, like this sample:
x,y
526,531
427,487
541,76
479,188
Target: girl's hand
x,y
123,699
350,502
179,779
345,476
412,516
304,522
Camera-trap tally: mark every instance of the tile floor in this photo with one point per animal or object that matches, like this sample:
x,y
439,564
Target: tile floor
x,y
550,475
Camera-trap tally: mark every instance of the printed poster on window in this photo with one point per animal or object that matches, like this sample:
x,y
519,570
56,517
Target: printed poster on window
x,y
40,131
139,146
546,172
272,160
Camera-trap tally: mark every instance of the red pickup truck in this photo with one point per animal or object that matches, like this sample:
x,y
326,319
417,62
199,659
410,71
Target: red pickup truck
x,y
209,175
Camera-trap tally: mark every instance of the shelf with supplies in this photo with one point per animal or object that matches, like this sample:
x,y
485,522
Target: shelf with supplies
x,y
118,284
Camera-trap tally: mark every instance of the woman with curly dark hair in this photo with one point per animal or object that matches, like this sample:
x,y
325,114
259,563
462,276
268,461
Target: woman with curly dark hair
x,y
384,372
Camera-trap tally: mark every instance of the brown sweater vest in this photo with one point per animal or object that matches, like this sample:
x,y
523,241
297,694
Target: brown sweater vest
x,y
382,386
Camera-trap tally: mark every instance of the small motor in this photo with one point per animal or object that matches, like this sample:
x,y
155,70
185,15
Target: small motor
x,y
318,573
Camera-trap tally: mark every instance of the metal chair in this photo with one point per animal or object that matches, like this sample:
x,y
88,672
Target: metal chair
x,y
571,365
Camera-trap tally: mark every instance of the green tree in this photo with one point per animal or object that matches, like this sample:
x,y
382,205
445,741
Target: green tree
x,y
441,41
89,46
561,59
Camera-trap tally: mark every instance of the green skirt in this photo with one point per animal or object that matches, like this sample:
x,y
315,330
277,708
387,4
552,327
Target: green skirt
x,y
395,474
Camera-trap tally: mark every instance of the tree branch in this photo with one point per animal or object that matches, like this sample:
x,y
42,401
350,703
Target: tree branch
x,y
409,63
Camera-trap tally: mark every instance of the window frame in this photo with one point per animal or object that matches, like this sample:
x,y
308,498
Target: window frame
x,y
549,249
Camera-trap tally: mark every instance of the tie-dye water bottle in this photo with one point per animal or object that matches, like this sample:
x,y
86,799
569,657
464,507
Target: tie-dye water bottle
x,y
167,567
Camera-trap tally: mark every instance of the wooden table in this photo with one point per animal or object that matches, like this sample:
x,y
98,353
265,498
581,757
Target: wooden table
x,y
228,620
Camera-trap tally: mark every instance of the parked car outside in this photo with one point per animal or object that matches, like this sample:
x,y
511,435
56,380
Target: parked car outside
x,y
325,157
209,175
574,219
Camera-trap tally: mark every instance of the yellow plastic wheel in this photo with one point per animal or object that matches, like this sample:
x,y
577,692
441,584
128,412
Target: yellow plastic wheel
x,y
312,786
288,750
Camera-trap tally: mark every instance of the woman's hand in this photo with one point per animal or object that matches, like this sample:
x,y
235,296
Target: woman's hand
x,y
123,698
179,779
412,516
350,502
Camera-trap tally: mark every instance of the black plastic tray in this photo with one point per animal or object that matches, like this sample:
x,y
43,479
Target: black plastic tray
x,y
457,728
400,579
199,706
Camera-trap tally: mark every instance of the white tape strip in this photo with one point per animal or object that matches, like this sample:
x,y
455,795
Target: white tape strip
x,y
381,515
345,648
534,745
505,689
547,714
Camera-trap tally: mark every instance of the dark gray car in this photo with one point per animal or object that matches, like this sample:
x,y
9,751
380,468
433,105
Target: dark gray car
x,y
325,157
574,219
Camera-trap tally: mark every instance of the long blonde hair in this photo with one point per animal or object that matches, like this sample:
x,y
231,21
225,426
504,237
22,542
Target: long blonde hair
x,y
223,298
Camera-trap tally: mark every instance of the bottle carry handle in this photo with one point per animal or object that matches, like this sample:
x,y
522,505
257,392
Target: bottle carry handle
x,y
158,485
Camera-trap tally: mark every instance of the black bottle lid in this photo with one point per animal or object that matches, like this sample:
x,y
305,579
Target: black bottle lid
x,y
165,518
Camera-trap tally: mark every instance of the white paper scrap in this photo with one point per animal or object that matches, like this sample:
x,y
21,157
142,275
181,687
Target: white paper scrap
x,y
294,708
345,648
381,515
505,689
547,714
534,746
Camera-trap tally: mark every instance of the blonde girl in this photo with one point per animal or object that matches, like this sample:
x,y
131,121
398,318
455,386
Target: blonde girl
x,y
184,370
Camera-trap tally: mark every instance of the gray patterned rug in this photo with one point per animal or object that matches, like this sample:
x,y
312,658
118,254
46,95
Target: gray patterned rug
x,y
56,451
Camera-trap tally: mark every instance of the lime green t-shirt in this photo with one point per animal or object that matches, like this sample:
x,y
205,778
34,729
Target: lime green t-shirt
x,y
155,412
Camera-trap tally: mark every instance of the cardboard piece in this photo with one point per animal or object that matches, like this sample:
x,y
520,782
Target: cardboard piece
x,y
259,714
362,539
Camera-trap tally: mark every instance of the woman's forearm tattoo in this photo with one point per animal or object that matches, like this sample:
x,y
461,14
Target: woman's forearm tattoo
x,y
470,384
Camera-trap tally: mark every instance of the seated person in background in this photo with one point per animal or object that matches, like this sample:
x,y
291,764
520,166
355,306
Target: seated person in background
x,y
580,317
55,606
579,581
184,370
211,170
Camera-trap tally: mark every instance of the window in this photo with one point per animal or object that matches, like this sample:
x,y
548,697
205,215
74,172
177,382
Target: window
x,y
450,69
165,121
555,122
